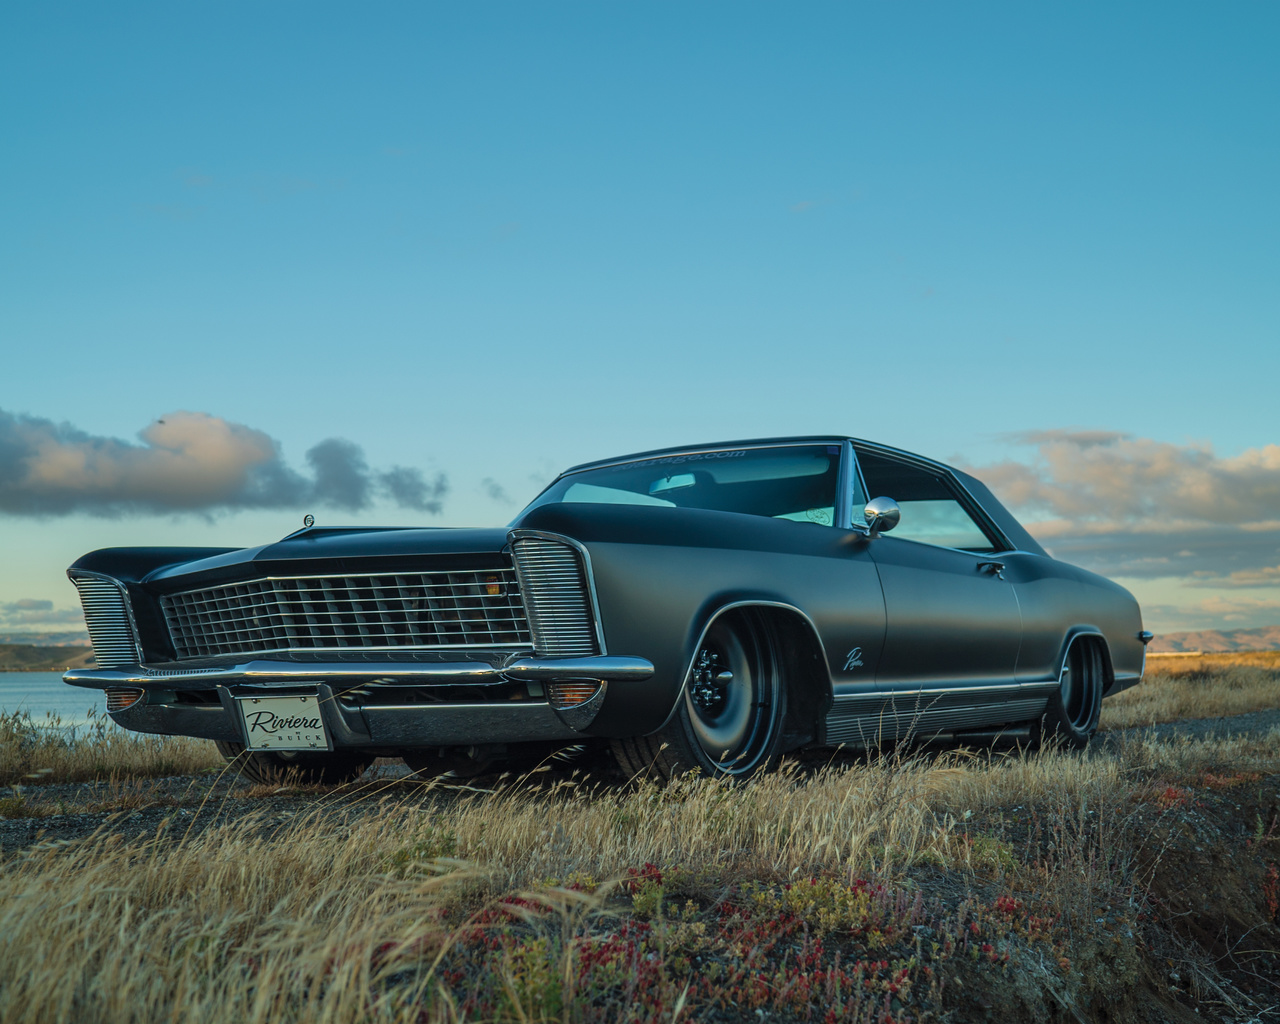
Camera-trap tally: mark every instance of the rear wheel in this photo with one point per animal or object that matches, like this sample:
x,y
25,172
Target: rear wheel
x,y
728,722
1072,715
328,769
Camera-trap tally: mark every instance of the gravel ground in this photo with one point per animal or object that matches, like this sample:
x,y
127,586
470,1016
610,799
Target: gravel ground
x,y
1256,723
54,814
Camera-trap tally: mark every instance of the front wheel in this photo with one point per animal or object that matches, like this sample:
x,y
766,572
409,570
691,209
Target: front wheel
x,y
328,769
728,721
1074,709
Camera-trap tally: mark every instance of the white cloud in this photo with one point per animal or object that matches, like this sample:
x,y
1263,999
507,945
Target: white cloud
x,y
1142,508
1217,611
188,462
32,612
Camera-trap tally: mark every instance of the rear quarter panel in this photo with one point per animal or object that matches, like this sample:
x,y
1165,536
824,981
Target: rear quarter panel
x,y
1058,601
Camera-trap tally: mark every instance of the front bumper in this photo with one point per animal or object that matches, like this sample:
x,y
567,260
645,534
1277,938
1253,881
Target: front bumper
x,y
360,700
605,668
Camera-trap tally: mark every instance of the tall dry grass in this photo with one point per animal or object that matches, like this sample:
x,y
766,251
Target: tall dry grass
x,y
36,750
1209,686
1177,664
329,918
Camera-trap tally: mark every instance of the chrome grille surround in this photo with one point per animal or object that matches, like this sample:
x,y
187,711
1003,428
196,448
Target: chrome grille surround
x,y
109,619
384,611
555,578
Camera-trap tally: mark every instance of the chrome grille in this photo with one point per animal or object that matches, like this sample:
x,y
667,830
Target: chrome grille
x,y
554,585
475,608
107,617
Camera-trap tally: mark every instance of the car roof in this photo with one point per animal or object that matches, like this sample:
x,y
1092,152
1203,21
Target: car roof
x,y
1001,518
754,442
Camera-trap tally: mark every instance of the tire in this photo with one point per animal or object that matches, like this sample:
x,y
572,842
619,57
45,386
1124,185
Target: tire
x,y
329,769
729,716
1072,716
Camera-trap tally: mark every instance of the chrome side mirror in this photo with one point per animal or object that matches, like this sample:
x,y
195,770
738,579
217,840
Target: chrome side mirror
x,y
882,515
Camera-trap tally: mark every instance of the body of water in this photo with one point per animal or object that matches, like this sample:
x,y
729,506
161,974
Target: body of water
x,y
44,692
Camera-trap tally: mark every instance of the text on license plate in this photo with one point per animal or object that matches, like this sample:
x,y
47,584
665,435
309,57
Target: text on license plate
x,y
283,723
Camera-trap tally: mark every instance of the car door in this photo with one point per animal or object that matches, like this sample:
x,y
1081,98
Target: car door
x,y
953,626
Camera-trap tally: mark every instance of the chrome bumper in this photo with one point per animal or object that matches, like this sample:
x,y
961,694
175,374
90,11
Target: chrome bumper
x,y
606,668
370,725
395,726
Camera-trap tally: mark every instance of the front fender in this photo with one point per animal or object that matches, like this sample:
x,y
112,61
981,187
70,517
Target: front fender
x,y
661,576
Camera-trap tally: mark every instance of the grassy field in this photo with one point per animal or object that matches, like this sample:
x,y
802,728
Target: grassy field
x,y
35,750
1132,885
1205,686
942,888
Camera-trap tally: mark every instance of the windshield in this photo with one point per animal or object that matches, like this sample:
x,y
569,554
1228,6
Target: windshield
x,y
793,482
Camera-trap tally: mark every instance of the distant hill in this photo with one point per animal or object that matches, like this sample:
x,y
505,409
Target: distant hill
x,y
30,658
74,638
1218,640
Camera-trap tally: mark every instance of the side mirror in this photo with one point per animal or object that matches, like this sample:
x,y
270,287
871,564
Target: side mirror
x,y
882,515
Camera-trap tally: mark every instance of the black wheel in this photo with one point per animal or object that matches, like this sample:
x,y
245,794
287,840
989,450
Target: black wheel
x,y
728,721
1072,715
328,769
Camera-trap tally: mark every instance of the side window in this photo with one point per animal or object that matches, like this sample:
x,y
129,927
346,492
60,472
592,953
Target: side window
x,y
859,497
931,510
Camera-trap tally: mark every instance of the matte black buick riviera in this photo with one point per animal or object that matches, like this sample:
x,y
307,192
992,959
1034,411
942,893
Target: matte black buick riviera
x,y
706,608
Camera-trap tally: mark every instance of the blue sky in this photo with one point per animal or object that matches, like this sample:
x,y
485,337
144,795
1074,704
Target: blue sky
x,y
491,240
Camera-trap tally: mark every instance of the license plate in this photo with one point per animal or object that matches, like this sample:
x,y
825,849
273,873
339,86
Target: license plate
x,y
283,723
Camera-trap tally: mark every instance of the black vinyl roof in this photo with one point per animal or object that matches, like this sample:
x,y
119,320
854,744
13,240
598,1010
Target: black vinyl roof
x,y
751,443
758,442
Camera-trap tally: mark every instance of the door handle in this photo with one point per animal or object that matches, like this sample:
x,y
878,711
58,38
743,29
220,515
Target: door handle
x,y
994,568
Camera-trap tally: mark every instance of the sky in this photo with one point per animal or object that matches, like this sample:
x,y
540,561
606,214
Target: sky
x,y
401,263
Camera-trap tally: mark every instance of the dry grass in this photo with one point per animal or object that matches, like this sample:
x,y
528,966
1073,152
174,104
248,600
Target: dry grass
x,y
329,918
585,902
1178,664
1206,686
40,750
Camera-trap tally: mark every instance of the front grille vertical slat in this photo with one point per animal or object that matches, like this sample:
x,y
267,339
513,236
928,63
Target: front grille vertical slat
x,y
408,610
107,618
553,583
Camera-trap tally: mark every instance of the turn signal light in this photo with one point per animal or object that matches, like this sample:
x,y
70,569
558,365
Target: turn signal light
x,y
493,586
120,699
570,695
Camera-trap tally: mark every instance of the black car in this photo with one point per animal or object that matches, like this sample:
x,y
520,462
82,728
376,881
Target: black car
x,y
708,607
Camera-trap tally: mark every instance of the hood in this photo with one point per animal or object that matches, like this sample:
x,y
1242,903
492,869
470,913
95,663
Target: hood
x,y
350,550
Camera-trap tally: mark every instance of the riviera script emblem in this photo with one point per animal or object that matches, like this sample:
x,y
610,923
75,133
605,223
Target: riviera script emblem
x,y
271,723
853,659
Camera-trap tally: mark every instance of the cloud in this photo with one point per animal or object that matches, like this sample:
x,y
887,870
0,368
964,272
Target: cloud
x,y
1268,576
408,488
33,612
495,491
1101,476
188,462
1136,507
1222,612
